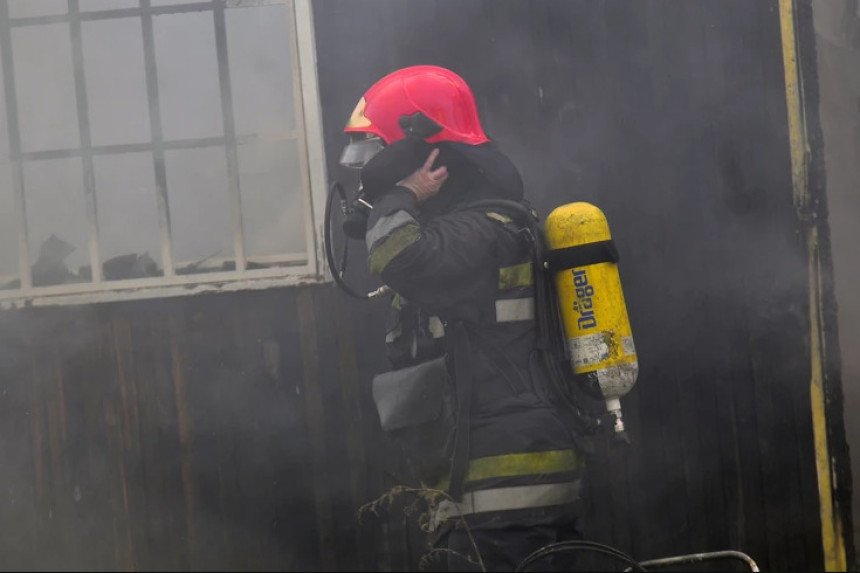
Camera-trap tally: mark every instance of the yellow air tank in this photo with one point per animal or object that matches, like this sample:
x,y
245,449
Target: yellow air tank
x,y
584,262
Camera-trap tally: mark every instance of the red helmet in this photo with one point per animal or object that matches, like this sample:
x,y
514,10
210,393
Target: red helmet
x,y
438,93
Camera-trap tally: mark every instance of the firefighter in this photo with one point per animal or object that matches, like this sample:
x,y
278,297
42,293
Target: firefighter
x,y
461,270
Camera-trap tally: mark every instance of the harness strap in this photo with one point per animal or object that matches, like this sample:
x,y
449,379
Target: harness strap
x,y
462,353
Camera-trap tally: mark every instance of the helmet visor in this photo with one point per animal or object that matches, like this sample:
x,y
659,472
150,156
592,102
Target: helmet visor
x,y
357,153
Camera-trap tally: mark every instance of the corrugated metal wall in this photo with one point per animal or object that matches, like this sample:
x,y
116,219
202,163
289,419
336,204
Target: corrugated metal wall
x,y
235,431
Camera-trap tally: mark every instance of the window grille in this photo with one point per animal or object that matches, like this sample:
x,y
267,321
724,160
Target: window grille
x,y
157,148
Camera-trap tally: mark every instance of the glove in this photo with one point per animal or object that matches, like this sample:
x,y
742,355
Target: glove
x,y
425,182
392,165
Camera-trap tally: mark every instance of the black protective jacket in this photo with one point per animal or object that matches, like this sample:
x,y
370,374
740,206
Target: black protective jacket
x,y
451,264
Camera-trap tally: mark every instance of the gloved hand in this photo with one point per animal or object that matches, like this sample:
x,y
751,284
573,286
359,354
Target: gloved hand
x,y
392,165
425,181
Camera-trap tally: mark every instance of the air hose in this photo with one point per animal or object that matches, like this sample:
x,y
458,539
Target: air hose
x,y
579,545
338,270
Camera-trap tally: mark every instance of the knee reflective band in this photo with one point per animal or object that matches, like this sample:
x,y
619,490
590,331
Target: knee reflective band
x,y
507,499
584,262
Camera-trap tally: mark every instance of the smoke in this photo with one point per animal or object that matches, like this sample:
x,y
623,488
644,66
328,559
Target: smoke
x,y
671,118
89,409
663,114
120,111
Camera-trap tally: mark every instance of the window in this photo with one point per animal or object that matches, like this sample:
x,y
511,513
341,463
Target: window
x,y
157,148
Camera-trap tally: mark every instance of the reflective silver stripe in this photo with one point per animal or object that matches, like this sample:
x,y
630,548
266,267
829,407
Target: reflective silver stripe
x,y
508,498
386,225
514,309
436,328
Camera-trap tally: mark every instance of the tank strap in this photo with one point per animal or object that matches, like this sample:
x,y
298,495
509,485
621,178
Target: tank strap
x,y
581,255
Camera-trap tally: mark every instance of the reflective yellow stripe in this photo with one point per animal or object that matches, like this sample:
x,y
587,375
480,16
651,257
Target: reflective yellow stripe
x,y
391,246
516,465
531,463
499,217
516,276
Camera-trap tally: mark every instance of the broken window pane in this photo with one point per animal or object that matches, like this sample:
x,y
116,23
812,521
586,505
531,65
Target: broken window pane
x,y
57,221
200,223
259,46
91,5
272,205
188,75
45,87
128,216
28,8
116,81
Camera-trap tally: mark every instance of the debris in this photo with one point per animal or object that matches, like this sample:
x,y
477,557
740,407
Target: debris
x,y
50,268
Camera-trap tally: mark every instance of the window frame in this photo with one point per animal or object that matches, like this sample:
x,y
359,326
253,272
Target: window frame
x,y
299,268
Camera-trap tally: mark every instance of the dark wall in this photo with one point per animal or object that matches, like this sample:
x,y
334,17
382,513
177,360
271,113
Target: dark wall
x,y
671,117
203,433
